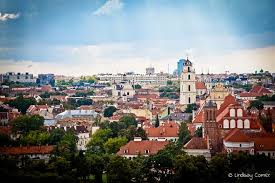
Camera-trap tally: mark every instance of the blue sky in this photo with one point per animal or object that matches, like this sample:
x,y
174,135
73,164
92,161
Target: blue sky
x,y
91,36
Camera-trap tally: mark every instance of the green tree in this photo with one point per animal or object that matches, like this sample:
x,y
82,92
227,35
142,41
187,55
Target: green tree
x,y
27,123
257,103
121,174
113,144
98,139
193,168
97,165
21,103
109,111
128,120
35,138
56,136
67,146
137,86
190,108
198,132
184,134
169,82
157,121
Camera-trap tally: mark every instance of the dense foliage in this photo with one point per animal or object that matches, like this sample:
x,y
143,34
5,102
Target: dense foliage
x,y
109,111
21,103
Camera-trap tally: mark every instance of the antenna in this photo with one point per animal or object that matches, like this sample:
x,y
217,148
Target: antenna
x,y
168,68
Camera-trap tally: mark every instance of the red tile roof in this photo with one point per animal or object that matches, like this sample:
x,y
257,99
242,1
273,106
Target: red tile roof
x,y
260,90
200,86
26,150
236,135
139,147
199,118
163,131
228,100
248,94
196,143
146,96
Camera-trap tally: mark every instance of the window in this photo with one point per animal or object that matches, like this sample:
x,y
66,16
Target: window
x,y
189,88
232,123
127,93
226,123
239,112
232,113
240,123
240,145
189,100
189,77
146,151
188,69
246,123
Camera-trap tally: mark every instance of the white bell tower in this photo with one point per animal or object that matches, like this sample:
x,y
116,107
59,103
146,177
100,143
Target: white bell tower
x,y
187,84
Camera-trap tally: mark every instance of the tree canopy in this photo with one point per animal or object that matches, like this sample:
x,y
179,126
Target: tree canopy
x,y
21,103
27,123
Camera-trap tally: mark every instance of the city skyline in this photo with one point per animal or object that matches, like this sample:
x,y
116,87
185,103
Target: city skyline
x,y
118,36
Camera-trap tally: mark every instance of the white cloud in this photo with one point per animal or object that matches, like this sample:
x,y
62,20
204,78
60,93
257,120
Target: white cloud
x,y
109,7
6,16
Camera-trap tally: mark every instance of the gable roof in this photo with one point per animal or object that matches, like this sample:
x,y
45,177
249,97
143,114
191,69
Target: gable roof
x,y
168,129
200,85
260,90
139,147
196,143
236,135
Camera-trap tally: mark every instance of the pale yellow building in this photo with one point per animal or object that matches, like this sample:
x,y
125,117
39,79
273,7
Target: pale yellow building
x,y
218,93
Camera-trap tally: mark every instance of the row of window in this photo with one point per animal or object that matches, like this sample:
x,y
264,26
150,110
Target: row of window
x,y
146,151
233,112
240,123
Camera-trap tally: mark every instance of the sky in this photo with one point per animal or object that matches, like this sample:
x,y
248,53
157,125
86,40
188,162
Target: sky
x,y
115,36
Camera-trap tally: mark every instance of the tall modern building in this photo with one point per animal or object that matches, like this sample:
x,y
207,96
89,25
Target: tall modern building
x,y
180,66
46,79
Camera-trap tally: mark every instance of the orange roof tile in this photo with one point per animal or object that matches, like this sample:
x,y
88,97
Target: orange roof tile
x,y
236,135
26,150
196,143
163,131
139,147
200,86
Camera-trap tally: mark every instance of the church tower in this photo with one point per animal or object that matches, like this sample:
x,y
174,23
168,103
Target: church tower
x,y
210,127
187,84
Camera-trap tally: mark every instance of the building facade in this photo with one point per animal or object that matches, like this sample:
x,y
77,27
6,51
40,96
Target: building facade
x,y
157,79
46,79
188,84
20,77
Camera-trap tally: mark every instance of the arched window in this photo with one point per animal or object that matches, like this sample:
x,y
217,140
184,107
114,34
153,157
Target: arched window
x,y
225,123
189,100
240,123
240,113
189,88
246,123
232,123
188,69
189,76
232,113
